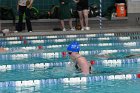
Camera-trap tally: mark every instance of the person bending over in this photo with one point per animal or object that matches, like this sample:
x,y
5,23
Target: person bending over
x,y
81,63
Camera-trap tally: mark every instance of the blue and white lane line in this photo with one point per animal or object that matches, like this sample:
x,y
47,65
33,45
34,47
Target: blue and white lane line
x,y
68,36
57,36
33,66
74,37
65,40
21,56
54,36
125,44
72,80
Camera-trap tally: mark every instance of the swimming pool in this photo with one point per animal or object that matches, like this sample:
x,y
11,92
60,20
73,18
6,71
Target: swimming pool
x,y
39,64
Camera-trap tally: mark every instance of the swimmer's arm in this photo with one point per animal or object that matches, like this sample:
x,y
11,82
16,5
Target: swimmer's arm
x,y
102,55
79,68
128,56
90,68
84,66
3,50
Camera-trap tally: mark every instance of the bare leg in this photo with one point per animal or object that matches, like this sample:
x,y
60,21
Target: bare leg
x,y
81,18
62,24
85,12
70,23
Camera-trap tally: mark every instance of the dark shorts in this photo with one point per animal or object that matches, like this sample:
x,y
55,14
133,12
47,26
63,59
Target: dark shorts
x,y
82,7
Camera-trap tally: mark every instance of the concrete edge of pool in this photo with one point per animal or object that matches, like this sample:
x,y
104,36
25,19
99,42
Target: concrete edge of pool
x,y
51,32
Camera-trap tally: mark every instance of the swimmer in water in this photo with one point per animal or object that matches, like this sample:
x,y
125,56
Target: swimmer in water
x,y
2,49
116,56
81,63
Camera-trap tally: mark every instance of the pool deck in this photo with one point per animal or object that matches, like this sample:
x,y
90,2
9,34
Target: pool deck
x,y
93,30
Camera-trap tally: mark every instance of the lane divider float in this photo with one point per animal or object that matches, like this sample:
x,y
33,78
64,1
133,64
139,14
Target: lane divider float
x,y
43,65
72,80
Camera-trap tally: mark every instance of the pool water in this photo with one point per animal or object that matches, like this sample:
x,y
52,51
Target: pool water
x,y
119,86
61,72
116,57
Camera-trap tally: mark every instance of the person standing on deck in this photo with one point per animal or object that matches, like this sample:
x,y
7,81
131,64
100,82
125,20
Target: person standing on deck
x,y
82,8
65,14
24,6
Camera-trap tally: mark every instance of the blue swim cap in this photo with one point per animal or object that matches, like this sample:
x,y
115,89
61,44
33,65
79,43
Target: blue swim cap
x,y
74,47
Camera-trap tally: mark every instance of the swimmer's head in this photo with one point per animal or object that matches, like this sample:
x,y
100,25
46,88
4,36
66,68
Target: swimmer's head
x,y
73,47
